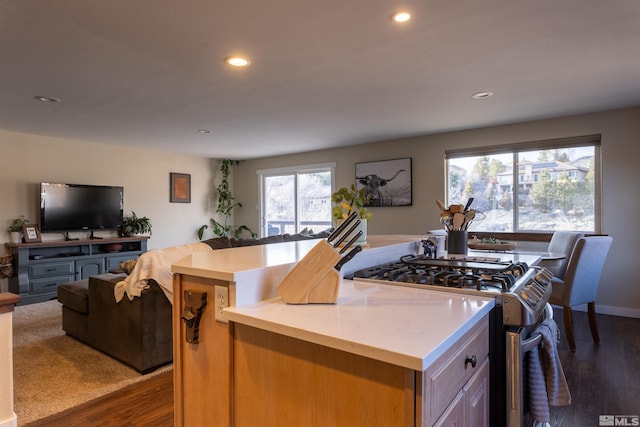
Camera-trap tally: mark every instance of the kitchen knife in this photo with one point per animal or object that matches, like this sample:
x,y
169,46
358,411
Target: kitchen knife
x,y
346,234
342,226
350,242
345,259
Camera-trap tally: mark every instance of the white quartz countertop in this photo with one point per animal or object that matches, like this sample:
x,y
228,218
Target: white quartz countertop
x,y
234,264
403,326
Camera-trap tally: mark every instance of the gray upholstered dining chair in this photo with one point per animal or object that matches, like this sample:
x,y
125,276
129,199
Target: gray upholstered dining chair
x,y
580,283
562,242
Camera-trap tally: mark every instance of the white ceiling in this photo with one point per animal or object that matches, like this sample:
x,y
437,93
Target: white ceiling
x,y
324,73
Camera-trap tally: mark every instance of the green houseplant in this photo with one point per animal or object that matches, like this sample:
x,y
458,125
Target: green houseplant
x,y
134,225
348,200
15,228
226,204
16,224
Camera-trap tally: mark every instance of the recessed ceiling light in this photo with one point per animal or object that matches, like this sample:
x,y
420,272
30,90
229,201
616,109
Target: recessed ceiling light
x,y
401,16
237,61
204,131
47,99
482,95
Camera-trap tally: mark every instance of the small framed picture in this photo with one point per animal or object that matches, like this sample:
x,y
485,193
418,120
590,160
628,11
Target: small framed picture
x,y
31,233
180,187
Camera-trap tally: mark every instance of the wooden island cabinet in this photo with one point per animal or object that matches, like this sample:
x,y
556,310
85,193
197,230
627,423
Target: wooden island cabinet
x,y
381,356
279,380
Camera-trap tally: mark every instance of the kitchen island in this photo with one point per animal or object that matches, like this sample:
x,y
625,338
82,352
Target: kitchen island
x,y
382,355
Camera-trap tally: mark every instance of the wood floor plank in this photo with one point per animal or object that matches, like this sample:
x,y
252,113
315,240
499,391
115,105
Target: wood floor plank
x,y
603,379
148,403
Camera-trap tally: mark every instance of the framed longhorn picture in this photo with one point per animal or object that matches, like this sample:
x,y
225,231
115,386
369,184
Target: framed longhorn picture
x,y
387,182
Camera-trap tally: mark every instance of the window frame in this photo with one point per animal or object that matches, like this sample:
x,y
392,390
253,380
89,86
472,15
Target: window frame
x,y
291,170
514,149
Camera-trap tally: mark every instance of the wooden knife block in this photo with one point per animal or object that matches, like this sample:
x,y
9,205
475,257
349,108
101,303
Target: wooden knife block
x,y
313,280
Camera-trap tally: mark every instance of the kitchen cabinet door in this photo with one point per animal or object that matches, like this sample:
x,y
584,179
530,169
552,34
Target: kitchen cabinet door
x,y
476,395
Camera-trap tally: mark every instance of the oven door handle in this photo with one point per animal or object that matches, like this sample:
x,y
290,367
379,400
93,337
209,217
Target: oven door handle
x,y
535,339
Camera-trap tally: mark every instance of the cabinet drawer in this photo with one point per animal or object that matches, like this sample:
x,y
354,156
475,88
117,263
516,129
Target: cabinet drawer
x,y
114,262
48,284
443,380
52,269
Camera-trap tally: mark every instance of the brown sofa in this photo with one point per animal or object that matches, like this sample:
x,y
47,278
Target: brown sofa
x,y
136,332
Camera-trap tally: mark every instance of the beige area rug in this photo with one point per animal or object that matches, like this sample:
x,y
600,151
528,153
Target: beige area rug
x,y
53,372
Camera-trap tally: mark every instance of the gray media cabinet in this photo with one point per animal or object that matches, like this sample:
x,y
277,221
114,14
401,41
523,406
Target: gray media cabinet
x,y
39,268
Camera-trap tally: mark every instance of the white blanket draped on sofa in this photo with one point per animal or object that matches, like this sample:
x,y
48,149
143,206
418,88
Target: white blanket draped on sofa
x,y
156,265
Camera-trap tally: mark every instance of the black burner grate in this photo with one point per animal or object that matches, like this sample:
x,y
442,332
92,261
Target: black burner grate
x,y
416,269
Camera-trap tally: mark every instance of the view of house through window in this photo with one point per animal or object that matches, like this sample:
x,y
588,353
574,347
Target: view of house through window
x,y
548,189
296,199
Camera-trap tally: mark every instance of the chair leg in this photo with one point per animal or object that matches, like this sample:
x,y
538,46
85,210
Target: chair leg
x,y
591,307
568,327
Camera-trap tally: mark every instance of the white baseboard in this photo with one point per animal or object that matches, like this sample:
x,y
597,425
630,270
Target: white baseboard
x,y
611,310
11,422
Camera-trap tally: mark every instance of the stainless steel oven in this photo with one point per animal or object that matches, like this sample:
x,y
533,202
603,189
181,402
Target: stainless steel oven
x,y
519,341
521,292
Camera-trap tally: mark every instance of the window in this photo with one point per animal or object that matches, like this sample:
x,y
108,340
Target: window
x,y
293,199
558,185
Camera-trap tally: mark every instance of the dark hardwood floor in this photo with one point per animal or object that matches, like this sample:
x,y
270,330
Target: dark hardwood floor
x,y
148,403
603,379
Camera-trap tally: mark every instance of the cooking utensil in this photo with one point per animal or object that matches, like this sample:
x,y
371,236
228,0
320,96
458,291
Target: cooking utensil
x,y
441,206
456,208
446,221
468,217
468,205
457,221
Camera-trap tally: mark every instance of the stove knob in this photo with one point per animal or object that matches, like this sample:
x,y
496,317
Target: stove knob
x,y
529,297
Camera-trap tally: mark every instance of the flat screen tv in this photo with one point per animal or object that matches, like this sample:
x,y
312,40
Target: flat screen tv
x,y
76,207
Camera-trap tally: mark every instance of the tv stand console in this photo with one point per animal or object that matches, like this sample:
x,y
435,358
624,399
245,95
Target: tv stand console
x,y
41,267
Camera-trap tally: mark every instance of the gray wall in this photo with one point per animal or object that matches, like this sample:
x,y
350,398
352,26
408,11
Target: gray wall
x,y
620,129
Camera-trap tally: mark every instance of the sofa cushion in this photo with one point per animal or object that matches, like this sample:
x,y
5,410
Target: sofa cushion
x,y
262,241
74,295
218,243
75,324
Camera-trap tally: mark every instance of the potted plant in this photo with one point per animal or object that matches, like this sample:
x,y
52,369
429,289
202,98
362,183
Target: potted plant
x,y
15,229
226,204
349,200
134,225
